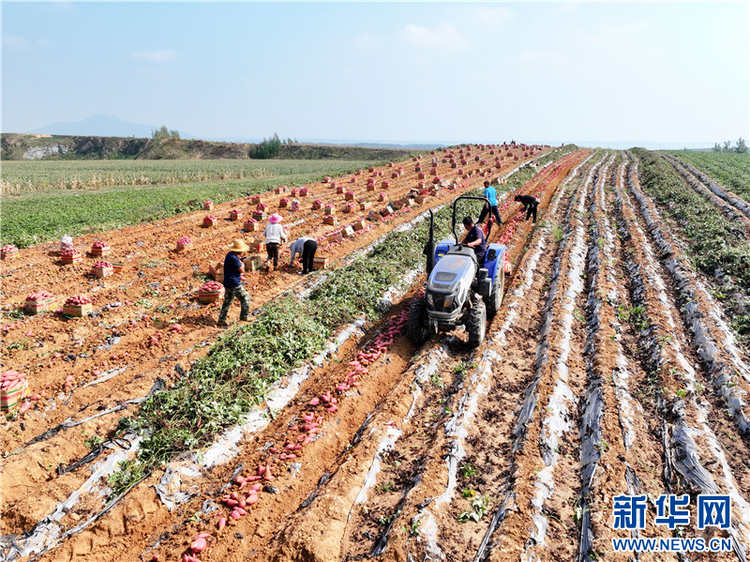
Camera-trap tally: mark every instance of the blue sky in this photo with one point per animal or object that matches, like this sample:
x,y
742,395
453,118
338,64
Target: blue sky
x,y
400,72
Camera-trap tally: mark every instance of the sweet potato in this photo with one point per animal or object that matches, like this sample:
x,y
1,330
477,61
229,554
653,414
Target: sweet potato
x,y
198,545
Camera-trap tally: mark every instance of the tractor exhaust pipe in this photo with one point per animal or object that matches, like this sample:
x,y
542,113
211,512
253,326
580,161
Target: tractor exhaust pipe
x,y
429,249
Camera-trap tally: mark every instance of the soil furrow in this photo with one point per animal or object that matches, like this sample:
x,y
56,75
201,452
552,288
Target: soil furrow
x,y
515,491
500,362
610,463
561,388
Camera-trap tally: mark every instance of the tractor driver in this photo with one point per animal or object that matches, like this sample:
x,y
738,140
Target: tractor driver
x,y
475,239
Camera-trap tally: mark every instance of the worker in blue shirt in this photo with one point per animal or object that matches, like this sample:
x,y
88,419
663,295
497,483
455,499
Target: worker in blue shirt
x,y
233,268
491,194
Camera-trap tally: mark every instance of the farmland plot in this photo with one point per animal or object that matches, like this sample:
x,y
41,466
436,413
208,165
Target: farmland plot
x,y
609,370
713,227
147,300
134,192
731,171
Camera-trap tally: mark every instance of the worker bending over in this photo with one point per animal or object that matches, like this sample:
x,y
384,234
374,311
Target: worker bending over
x,y
530,204
306,247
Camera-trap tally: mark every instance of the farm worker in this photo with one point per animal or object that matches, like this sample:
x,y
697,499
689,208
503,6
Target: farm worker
x,y
307,247
233,268
530,204
274,234
475,239
491,194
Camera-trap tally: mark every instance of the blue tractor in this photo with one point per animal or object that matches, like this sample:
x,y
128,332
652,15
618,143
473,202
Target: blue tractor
x,y
459,290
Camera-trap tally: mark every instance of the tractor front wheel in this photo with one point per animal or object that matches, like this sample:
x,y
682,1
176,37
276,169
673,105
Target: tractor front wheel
x,y
477,324
496,296
418,329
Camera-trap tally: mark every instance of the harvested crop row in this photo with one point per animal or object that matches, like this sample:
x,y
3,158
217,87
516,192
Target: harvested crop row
x,y
119,317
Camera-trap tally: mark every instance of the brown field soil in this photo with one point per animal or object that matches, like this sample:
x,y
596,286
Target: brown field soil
x,y
588,386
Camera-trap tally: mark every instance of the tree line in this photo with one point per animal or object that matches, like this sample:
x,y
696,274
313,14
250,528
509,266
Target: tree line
x,y
164,133
269,147
740,147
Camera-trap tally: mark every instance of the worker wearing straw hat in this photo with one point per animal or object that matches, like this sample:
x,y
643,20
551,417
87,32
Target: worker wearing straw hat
x,y
233,268
274,234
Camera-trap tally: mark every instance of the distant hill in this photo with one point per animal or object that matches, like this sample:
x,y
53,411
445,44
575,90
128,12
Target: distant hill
x,y
16,146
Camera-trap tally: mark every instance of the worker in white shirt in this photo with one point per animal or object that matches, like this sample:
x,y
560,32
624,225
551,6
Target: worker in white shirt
x,y
307,247
275,235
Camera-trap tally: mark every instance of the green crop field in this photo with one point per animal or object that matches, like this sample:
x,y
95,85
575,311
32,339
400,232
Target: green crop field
x,y
34,215
44,175
726,168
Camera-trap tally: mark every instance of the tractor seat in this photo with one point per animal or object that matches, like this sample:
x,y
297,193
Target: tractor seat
x,y
458,250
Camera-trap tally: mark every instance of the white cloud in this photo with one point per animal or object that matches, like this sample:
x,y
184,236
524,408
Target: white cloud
x,y
16,43
444,36
493,16
156,56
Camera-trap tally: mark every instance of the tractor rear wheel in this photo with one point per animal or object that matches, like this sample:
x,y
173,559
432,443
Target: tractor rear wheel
x,y
477,324
496,296
419,329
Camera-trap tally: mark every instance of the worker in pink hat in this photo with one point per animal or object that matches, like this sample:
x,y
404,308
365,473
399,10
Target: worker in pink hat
x,y
275,235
